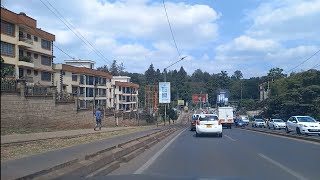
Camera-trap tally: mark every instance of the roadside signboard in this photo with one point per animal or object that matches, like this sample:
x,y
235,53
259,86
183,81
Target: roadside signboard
x,y
181,102
164,92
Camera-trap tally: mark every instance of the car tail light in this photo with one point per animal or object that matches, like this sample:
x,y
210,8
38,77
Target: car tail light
x,y
219,122
198,122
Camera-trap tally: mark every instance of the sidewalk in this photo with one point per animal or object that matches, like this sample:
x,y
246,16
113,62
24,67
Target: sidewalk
x,y
56,134
18,168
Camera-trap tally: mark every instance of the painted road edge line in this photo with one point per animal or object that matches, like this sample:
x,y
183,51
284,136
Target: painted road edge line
x,y
230,138
286,169
154,157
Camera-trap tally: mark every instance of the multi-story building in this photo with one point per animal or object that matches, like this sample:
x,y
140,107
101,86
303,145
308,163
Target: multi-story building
x,y
125,94
80,63
91,86
26,48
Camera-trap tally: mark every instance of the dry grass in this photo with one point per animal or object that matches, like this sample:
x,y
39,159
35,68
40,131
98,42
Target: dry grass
x,y
31,148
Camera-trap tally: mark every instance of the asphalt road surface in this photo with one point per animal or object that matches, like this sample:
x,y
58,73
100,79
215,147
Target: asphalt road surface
x,y
239,154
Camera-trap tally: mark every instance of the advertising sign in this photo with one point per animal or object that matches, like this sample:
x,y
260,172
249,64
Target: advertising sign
x,y
164,92
180,102
195,98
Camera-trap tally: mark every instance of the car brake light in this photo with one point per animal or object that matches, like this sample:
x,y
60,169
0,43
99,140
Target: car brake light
x,y
198,122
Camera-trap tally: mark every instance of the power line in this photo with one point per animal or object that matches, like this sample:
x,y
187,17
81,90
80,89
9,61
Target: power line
x,y
315,66
174,40
303,61
73,30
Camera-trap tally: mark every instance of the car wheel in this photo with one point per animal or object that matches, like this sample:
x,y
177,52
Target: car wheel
x,y
298,131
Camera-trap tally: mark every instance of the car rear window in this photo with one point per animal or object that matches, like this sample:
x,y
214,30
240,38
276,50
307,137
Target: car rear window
x,y
278,120
209,118
259,120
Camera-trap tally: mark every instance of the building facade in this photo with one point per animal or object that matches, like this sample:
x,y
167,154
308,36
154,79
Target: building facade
x,y
26,48
92,87
81,63
125,94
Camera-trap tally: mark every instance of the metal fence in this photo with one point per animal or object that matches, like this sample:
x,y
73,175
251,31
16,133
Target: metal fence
x,y
39,91
8,85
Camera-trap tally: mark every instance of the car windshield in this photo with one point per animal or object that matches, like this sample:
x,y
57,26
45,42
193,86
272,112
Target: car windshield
x,y
209,118
278,120
306,119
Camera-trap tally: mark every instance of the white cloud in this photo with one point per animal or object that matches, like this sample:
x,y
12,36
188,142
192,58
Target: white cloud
x,y
246,43
286,20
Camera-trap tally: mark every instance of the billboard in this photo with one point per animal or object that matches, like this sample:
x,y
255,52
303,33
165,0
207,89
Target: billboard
x,y
222,96
195,98
181,102
200,98
164,92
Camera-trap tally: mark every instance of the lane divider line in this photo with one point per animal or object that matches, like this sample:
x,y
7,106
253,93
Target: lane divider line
x,y
284,168
155,156
230,138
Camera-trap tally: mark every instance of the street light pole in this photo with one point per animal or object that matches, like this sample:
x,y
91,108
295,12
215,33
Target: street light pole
x,y
165,80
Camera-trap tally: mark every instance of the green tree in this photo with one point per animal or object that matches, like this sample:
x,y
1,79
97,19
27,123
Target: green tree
x,y
276,73
237,75
150,75
114,68
5,69
103,68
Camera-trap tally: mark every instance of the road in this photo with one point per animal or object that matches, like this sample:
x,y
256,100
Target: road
x,y
239,154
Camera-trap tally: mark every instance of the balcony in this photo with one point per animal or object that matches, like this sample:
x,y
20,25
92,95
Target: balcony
x,y
26,61
29,79
101,95
25,42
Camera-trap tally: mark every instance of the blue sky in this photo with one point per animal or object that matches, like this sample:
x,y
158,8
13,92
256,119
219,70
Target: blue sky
x,y
248,35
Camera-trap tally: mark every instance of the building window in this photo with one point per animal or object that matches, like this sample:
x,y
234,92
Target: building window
x,y
7,28
81,79
74,77
28,71
89,92
119,88
35,56
35,73
7,49
29,54
28,36
35,38
45,60
45,44
45,76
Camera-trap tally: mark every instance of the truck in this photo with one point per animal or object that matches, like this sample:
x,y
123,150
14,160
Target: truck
x,y
225,115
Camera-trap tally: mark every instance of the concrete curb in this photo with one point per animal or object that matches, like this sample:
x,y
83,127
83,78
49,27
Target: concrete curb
x,y
104,161
285,135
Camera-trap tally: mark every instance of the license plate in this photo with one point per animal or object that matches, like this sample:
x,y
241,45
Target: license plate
x,y
209,125
313,130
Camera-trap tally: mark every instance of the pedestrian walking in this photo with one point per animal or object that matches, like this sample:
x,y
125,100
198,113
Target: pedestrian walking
x,y
98,115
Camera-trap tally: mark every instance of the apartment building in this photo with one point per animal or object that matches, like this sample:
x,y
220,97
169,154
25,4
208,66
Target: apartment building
x,y
125,94
27,48
91,86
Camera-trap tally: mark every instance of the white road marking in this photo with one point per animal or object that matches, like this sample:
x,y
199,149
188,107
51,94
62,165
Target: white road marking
x,y
230,138
286,169
154,158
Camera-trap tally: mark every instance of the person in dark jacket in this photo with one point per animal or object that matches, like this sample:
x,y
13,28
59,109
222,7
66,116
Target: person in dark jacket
x,y
98,115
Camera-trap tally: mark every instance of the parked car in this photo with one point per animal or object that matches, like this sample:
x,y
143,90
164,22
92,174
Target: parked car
x,y
208,124
258,123
194,121
241,123
276,124
245,119
303,125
